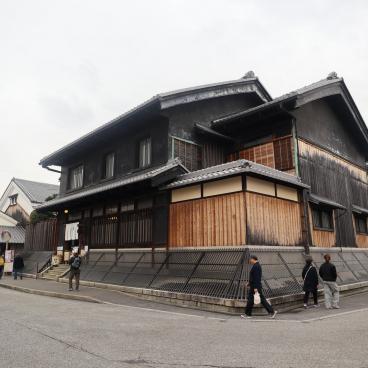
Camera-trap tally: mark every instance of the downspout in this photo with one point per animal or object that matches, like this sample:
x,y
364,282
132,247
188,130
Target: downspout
x,y
50,169
308,240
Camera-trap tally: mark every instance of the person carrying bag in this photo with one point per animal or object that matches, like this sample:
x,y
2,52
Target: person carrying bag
x,y
310,282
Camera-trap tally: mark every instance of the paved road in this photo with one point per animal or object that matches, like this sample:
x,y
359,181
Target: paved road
x,y
38,331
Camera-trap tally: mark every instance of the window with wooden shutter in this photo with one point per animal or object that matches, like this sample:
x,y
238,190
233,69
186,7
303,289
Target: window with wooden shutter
x,y
190,154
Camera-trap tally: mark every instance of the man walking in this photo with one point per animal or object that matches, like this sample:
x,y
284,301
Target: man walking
x,y
75,262
328,274
18,266
255,286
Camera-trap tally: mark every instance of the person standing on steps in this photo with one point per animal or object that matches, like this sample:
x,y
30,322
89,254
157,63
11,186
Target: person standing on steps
x,y
328,274
310,285
255,286
75,262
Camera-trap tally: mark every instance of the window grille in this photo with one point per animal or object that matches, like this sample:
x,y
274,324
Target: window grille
x,y
109,166
322,218
145,152
361,224
190,154
76,178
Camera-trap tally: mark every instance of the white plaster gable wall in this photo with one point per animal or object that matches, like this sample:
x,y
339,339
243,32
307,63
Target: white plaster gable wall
x,y
22,199
6,220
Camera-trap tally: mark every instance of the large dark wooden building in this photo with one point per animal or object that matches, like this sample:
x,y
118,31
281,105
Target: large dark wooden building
x,y
220,165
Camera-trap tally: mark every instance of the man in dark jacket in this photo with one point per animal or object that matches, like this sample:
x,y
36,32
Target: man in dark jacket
x,y
328,274
310,282
18,265
255,286
75,262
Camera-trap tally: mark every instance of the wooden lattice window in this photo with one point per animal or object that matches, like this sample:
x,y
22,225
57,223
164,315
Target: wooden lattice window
x,y
262,154
283,150
190,154
277,154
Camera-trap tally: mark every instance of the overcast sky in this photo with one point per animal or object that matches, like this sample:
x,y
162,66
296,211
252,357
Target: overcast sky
x,y
66,67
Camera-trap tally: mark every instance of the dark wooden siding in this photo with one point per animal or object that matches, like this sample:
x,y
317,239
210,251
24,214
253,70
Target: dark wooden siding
x,y
335,178
212,154
320,122
41,236
125,145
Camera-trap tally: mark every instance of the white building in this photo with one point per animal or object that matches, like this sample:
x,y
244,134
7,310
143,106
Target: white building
x,y
21,197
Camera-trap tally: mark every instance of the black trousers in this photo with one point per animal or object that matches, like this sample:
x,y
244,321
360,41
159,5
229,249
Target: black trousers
x,y
314,293
250,302
74,274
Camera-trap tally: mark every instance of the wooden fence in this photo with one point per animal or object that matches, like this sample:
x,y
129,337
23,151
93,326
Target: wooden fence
x,y
41,236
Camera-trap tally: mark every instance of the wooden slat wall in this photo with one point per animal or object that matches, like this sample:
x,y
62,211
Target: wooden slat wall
x,y
213,221
325,239
41,236
335,178
273,221
212,154
362,241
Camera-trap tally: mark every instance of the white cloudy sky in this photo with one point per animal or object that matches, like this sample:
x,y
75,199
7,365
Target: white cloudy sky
x,y
68,66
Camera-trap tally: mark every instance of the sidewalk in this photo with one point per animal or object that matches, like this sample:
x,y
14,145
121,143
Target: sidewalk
x,y
87,294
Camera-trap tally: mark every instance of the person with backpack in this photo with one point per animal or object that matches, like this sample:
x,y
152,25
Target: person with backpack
x,y
310,282
255,288
2,262
75,262
328,274
18,265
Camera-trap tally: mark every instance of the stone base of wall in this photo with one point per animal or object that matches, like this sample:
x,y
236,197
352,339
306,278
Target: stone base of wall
x,y
220,305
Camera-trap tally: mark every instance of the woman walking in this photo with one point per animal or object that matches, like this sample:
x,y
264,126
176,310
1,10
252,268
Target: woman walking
x,y
310,285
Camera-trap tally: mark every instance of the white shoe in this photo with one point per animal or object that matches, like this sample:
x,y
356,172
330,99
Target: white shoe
x,y
305,306
244,316
273,315
336,307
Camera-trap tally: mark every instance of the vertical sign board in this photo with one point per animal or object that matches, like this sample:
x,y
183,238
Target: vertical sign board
x,y
9,254
9,259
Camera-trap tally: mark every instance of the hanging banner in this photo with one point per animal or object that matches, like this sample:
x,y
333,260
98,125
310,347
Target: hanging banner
x,y
71,231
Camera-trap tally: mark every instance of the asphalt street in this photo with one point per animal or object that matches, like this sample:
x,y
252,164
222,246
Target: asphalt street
x,y
39,331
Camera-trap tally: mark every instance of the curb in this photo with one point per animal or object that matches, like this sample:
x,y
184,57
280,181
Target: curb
x,y
52,294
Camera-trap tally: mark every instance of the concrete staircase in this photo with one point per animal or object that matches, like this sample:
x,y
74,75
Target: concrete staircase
x,y
55,272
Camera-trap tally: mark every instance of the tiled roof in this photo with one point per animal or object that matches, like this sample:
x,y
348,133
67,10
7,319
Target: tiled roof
x,y
325,201
360,210
35,191
275,101
17,234
234,168
125,180
183,95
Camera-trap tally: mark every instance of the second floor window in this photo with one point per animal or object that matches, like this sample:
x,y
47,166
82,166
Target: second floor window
x,y
322,218
361,224
13,199
109,165
145,155
190,154
76,177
